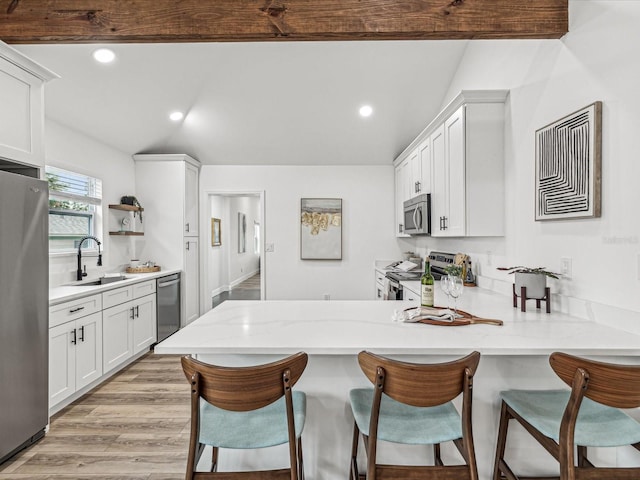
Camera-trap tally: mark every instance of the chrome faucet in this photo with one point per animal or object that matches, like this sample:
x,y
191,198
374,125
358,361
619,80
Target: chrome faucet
x,y
80,273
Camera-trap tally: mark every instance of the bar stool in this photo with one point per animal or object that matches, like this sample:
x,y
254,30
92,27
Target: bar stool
x,y
246,408
411,404
586,416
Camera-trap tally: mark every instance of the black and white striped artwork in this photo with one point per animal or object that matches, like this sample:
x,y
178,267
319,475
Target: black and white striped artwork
x,y
568,166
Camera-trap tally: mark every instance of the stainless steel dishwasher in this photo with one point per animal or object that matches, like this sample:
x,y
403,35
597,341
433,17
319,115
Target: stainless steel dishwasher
x,y
168,314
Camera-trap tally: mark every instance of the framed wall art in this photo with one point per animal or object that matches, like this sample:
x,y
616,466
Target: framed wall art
x,y
216,235
321,229
568,166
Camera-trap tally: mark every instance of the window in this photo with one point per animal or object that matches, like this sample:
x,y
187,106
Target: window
x,y
74,209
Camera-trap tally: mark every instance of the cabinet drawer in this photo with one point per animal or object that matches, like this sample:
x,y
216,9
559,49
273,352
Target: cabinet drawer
x,y
410,295
379,277
64,312
144,288
117,296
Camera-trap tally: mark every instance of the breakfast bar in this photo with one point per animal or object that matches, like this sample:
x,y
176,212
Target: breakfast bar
x,y
514,355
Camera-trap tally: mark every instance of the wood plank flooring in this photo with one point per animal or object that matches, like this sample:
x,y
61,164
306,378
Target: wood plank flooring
x,y
135,426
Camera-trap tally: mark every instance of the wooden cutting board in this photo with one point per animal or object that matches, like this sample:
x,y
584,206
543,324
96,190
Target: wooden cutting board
x,y
467,319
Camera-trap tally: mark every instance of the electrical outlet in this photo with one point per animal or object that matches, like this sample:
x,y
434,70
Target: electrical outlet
x,y
565,267
269,247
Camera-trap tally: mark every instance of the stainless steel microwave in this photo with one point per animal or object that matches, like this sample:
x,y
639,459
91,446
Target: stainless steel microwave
x,y
417,215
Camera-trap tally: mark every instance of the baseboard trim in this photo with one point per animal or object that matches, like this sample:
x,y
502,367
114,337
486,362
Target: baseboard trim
x,y
238,281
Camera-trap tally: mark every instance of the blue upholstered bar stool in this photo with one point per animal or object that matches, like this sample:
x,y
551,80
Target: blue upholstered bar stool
x,y
411,404
246,408
566,421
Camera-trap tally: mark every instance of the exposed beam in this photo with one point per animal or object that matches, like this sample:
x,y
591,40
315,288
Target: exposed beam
x,y
90,21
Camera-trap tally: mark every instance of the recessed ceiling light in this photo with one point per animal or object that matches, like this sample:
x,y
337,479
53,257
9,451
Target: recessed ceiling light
x,y
366,111
104,55
176,116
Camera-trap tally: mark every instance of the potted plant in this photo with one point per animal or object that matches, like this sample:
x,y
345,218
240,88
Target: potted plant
x,y
453,270
534,279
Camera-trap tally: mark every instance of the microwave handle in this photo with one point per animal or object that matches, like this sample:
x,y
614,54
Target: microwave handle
x,y
417,223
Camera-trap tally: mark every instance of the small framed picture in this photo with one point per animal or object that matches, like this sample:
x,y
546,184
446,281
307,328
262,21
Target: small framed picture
x,y
216,238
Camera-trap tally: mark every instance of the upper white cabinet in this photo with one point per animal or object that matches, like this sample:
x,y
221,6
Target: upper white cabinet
x,y
168,187
22,112
461,156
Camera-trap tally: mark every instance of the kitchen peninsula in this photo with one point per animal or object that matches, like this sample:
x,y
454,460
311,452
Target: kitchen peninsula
x,y
333,332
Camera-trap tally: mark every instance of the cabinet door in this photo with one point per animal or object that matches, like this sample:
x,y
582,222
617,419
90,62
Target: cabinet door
x,y
415,180
191,201
455,159
116,336
62,363
440,183
21,115
425,166
191,281
402,177
88,349
144,323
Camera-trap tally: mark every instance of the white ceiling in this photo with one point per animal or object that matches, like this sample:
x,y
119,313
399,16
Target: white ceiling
x,y
274,103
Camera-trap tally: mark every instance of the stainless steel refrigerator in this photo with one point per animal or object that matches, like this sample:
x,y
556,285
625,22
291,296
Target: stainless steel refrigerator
x,y
24,310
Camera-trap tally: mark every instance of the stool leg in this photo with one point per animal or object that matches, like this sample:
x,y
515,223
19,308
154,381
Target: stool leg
x,y
353,468
214,459
523,299
300,460
502,441
436,455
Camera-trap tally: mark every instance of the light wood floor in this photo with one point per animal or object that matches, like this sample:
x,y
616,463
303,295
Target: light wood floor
x,y
135,426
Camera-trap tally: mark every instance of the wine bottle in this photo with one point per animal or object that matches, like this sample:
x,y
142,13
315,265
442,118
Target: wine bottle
x,y
426,297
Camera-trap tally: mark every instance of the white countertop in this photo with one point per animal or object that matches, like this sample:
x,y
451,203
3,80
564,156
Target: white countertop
x,y
347,327
65,293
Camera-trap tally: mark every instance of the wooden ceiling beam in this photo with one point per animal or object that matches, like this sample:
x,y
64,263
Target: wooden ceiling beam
x,y
165,21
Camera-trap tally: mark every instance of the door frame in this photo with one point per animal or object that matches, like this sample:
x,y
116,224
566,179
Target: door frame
x,y
205,297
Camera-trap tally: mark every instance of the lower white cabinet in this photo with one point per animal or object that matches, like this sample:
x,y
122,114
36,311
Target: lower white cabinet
x,y
128,328
93,335
75,356
191,280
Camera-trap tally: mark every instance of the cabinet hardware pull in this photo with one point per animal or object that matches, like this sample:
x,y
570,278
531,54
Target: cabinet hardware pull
x,y
82,333
400,229
74,310
74,339
137,311
133,313
444,221
187,227
419,186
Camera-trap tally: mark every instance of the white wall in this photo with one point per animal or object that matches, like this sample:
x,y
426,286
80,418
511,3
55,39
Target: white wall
x,y
597,60
217,271
367,206
68,149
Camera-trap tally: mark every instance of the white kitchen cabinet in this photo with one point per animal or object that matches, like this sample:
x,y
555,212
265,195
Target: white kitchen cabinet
x,y
403,180
191,200
168,187
464,147
128,327
190,279
22,113
75,356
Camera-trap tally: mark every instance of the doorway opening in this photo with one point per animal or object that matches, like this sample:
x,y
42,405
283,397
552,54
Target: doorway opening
x,y
235,268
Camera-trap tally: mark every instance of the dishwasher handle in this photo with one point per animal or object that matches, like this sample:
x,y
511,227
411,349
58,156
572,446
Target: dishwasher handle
x,y
169,283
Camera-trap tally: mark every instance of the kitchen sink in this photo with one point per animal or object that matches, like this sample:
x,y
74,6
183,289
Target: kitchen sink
x,y
99,281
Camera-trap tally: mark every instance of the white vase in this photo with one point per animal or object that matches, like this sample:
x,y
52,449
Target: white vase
x,y
536,284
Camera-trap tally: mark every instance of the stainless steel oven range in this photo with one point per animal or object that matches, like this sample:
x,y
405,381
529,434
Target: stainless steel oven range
x,y
438,260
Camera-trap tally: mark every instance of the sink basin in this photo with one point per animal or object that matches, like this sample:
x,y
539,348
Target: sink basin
x,y
100,281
